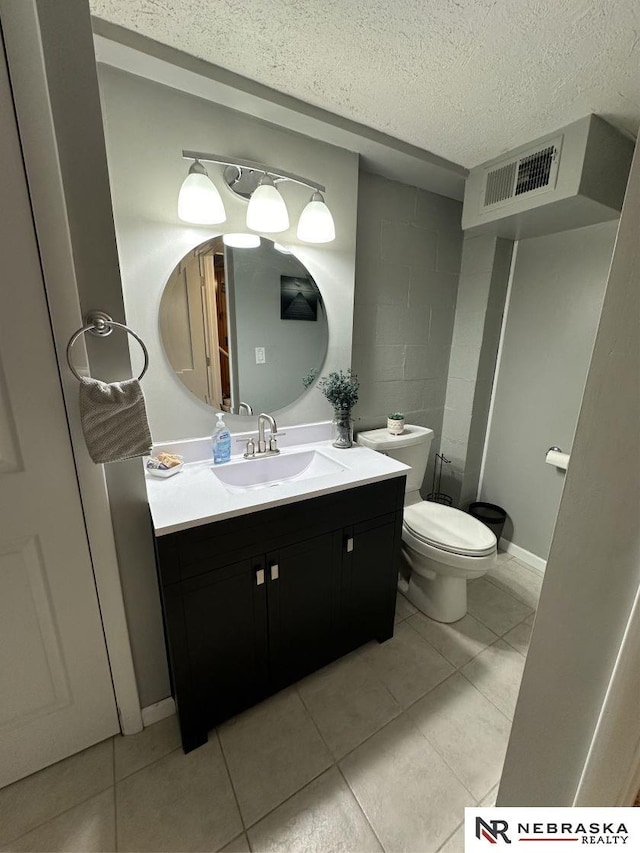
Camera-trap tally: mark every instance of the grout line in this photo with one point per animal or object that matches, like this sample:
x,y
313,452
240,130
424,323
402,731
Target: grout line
x,y
403,710
435,748
493,630
414,725
508,591
473,657
360,808
499,636
488,698
306,784
527,568
242,834
410,705
150,764
312,718
229,776
444,843
482,651
501,585
290,797
381,683
504,637
55,816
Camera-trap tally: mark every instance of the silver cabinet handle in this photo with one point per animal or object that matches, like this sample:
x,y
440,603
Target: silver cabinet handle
x,y
275,572
349,544
259,577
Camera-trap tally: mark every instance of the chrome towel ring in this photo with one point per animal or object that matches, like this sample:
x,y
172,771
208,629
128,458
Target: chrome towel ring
x,y
101,325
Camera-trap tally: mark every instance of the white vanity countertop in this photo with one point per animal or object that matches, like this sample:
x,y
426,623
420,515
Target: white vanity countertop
x,y
195,496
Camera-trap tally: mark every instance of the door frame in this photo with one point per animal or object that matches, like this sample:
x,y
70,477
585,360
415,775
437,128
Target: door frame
x,y
30,87
612,768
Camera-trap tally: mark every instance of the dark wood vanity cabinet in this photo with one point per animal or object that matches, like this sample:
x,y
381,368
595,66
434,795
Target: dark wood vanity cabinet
x,y
253,603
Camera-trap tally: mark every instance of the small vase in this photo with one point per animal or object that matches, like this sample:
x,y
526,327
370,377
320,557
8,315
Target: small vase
x,y
395,426
342,428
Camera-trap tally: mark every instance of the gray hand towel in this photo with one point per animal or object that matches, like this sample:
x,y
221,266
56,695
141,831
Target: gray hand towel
x,y
114,420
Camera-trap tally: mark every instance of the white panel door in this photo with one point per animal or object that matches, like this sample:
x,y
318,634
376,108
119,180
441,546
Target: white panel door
x,y
56,695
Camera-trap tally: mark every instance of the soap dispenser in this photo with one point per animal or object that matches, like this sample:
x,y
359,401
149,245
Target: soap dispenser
x,y
221,441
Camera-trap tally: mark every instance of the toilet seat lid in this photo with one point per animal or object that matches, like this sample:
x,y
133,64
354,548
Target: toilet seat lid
x,y
449,529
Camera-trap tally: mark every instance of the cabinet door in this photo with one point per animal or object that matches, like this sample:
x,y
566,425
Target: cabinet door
x,y
225,619
370,566
303,596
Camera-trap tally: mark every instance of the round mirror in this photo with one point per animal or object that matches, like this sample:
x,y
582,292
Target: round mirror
x,y
244,329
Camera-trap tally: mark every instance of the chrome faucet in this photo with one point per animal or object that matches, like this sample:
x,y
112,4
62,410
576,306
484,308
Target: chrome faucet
x,y
262,450
246,407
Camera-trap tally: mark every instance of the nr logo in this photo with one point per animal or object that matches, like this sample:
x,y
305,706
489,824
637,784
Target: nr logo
x,y
492,830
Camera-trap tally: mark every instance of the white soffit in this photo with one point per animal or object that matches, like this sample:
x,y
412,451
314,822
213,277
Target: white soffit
x,y
382,154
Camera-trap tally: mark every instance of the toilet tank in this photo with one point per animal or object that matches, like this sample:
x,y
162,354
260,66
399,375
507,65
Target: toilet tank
x,y
411,447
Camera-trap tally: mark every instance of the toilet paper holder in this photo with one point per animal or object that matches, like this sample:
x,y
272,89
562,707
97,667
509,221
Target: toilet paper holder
x,y
558,458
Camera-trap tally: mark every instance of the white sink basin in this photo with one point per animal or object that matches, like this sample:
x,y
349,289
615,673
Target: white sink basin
x,y
247,474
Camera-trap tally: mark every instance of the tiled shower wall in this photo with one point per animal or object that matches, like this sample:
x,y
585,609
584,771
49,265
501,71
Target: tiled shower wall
x,y
408,252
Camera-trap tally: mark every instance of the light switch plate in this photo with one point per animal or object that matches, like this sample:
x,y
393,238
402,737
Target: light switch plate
x,y
260,356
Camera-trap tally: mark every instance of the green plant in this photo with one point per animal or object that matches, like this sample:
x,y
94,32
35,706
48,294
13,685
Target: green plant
x,y
396,416
309,378
340,388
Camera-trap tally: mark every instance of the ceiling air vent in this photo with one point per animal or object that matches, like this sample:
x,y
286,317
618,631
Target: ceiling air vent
x,y
535,171
573,177
500,184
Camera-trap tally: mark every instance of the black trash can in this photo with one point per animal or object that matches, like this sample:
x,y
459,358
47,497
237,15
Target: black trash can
x,y
490,514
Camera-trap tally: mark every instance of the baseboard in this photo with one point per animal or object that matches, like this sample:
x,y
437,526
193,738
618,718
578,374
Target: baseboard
x,y
159,711
533,561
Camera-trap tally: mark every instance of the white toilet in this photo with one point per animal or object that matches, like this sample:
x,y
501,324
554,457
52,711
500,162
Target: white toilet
x,y
442,547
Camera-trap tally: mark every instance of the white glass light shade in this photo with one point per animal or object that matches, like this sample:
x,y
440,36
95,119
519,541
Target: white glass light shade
x,y
316,223
199,201
267,211
241,241
282,249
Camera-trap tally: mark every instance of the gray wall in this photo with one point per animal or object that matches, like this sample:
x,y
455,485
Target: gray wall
x,y
147,125
292,347
593,571
407,265
556,296
486,261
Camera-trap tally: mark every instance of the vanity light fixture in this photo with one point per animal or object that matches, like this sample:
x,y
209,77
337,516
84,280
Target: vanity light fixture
x,y
199,201
241,241
267,211
316,222
259,185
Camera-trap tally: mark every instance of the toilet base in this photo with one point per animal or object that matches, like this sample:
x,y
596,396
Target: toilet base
x,y
443,598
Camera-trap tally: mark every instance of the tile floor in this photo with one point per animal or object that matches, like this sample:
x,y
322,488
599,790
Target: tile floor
x,y
381,750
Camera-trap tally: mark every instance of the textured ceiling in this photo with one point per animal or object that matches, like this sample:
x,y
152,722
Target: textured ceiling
x,y
465,79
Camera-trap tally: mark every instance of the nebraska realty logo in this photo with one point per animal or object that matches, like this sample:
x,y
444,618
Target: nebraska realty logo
x,y
552,829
